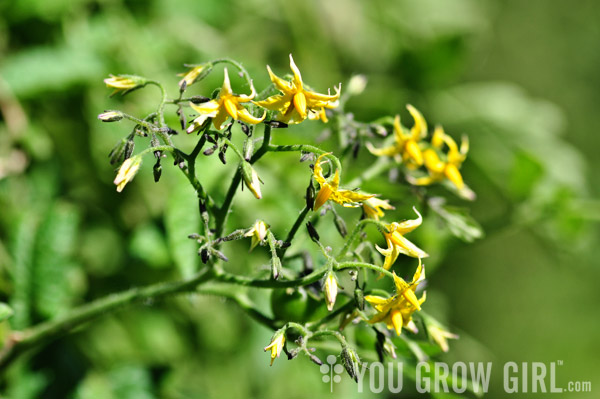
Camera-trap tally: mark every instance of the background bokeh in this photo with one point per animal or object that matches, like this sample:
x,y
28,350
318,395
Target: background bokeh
x,y
520,78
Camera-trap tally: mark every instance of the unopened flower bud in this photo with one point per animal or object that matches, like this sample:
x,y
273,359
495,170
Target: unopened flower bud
x,y
223,154
127,172
312,232
315,359
199,99
276,124
330,286
110,116
351,362
356,85
124,83
248,148
258,232
204,255
116,155
196,73
157,170
276,345
340,225
129,147
275,267
251,179
310,195
359,297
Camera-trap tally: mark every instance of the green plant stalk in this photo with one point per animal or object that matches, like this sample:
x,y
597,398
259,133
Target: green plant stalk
x,y
21,341
357,229
381,165
281,252
223,211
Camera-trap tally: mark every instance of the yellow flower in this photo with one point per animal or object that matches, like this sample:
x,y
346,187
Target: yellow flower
x,y
124,83
276,345
296,103
396,312
373,207
329,189
406,146
440,336
227,104
438,169
127,172
258,232
397,244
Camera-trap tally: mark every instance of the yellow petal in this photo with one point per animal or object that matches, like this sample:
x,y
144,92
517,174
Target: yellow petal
x,y
396,318
406,247
410,296
432,161
349,197
275,103
316,98
281,84
322,196
210,107
382,152
230,107
297,77
335,182
318,170
438,137
406,226
454,176
419,130
376,300
226,88
400,284
414,152
300,104
245,116
220,118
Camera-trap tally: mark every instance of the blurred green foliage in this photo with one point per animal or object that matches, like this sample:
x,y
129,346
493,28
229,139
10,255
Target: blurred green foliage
x,y
515,76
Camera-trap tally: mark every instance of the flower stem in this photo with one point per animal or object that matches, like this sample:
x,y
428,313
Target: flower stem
x,y
294,230
226,277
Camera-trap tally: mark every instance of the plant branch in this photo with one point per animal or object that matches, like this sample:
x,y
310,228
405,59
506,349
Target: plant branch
x,y
21,341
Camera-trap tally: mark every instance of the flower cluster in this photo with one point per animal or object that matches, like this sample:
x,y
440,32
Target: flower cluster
x,y
410,149
285,102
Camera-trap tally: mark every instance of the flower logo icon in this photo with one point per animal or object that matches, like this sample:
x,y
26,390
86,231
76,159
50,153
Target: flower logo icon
x,y
331,371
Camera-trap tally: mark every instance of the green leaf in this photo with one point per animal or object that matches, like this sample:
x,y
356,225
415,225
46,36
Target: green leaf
x,y
23,233
132,382
148,244
5,311
55,242
525,174
38,69
181,219
458,220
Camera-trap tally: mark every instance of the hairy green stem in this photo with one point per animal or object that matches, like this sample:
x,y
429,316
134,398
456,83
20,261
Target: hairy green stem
x,y
226,277
294,230
357,229
50,330
306,148
358,265
381,165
